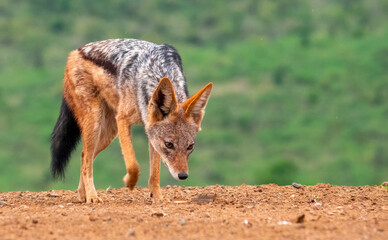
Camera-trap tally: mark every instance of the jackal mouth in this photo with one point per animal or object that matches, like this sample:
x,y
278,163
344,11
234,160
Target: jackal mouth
x,y
172,171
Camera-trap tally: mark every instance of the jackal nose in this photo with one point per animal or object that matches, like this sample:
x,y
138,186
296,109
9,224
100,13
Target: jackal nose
x,y
182,176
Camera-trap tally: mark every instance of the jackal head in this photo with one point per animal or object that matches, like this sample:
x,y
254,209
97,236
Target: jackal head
x,y
172,126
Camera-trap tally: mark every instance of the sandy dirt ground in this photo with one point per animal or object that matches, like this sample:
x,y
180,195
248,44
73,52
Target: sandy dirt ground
x,y
215,212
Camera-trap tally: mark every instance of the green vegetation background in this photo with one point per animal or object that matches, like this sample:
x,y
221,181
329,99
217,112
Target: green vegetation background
x,y
300,87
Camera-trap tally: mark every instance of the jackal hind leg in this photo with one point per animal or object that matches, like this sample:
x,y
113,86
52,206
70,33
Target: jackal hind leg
x,y
132,166
107,132
90,141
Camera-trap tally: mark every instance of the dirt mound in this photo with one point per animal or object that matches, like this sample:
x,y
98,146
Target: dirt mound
x,y
215,212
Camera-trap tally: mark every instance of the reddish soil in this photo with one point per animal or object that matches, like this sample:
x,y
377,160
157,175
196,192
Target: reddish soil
x,y
216,212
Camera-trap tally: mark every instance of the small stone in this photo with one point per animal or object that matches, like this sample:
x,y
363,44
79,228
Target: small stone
x,y
284,223
52,195
131,232
92,218
158,214
61,206
69,204
300,219
385,184
182,222
3,203
247,223
296,185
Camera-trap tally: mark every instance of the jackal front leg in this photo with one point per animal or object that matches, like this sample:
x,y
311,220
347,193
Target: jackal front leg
x,y
154,180
124,129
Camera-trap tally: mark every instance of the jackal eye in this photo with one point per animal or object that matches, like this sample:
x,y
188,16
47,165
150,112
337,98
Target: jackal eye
x,y
190,147
169,145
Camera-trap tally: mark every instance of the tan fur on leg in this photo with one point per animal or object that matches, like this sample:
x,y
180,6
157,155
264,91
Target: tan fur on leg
x,y
124,129
154,180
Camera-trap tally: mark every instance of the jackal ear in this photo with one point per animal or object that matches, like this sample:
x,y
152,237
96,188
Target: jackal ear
x,y
195,106
163,101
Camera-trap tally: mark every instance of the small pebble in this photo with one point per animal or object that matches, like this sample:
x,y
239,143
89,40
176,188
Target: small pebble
x,y
247,223
158,214
69,204
296,185
53,195
300,219
182,221
284,223
131,232
2,203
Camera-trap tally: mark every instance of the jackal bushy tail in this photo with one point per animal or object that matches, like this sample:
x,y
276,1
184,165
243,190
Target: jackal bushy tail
x,y
64,139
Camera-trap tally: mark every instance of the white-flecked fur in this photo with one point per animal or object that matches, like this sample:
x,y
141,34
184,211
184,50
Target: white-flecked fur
x,y
139,65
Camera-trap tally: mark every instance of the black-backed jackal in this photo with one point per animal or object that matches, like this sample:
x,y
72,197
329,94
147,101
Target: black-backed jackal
x,y
113,84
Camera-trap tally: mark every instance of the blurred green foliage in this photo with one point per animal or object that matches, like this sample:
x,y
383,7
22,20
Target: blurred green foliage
x,y
300,87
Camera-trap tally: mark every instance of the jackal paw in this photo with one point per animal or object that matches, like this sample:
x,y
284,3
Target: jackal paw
x,y
81,195
93,199
159,199
128,182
